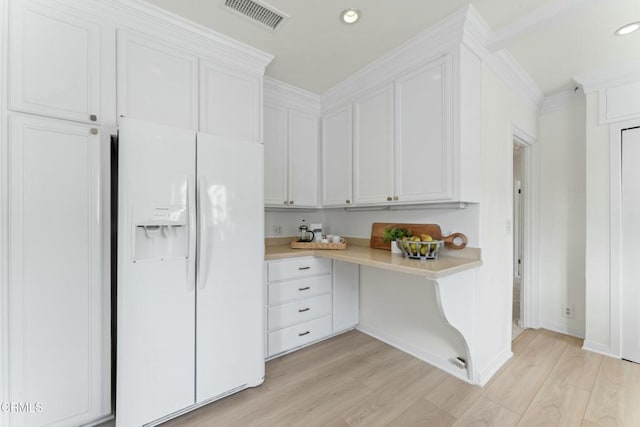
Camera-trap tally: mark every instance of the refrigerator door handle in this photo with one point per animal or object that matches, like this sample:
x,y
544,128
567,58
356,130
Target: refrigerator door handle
x,y
202,238
191,206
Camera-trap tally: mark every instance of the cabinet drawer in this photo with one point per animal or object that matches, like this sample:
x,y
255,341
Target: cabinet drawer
x,y
289,314
299,267
295,336
300,288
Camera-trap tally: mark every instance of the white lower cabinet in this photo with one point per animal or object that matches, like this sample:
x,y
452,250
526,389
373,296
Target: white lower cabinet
x,y
309,299
58,355
346,295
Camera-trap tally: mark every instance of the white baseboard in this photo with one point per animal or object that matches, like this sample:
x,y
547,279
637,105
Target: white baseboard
x,y
494,366
562,329
595,347
417,352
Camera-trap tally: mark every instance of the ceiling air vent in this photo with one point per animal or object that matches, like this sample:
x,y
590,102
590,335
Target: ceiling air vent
x,y
257,11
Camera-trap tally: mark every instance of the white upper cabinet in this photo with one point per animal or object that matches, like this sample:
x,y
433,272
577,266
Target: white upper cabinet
x,y
157,82
291,157
275,156
54,60
337,168
303,159
230,103
423,137
373,147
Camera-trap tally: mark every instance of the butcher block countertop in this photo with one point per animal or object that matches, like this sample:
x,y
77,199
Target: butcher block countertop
x,y
358,252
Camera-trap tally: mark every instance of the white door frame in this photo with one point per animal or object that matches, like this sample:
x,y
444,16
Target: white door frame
x,y
615,220
529,292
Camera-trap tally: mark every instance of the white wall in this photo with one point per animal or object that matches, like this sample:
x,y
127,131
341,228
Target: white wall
x,y
290,220
358,223
502,109
562,151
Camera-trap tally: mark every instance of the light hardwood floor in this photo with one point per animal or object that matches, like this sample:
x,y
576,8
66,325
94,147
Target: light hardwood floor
x,y
355,380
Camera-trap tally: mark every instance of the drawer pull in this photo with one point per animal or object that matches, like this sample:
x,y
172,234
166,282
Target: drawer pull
x,y
306,288
302,310
304,333
304,268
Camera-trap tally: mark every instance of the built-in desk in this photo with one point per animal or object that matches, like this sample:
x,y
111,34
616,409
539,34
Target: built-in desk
x,y
453,276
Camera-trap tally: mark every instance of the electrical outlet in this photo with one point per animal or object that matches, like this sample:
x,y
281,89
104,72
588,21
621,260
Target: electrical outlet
x,y
569,311
277,230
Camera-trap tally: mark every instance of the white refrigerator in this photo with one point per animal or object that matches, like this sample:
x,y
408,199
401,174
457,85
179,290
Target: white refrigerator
x,y
189,270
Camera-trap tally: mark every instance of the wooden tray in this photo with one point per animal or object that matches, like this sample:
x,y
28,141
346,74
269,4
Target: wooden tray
x,y
377,233
316,245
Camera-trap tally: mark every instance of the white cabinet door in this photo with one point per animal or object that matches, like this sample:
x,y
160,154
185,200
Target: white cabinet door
x,y
629,249
423,140
230,103
303,159
55,302
230,293
373,148
337,167
275,156
156,82
54,57
346,295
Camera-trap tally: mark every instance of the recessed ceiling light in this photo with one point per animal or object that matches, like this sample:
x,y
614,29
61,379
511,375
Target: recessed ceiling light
x,y
627,29
350,16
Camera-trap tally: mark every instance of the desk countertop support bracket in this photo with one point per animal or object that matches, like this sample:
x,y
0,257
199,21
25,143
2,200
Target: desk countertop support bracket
x,y
457,301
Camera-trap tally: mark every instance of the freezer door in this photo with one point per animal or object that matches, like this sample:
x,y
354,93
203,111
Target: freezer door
x,y
156,285
230,261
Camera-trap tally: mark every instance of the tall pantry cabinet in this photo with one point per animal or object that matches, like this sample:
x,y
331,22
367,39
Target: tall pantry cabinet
x,y
68,70
55,348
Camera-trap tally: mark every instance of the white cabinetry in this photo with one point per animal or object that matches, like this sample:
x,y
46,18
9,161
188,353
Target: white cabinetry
x,y
54,60
291,157
55,344
346,295
373,147
157,82
275,156
416,134
299,303
423,142
303,159
230,102
309,299
337,168
403,143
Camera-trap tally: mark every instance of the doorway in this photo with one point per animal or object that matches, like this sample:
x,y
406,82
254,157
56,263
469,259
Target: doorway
x,y
518,236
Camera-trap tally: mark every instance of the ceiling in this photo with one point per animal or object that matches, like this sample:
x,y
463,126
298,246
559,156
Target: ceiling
x,y
553,40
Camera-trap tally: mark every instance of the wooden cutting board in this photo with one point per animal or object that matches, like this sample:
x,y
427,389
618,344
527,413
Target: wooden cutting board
x,y
433,230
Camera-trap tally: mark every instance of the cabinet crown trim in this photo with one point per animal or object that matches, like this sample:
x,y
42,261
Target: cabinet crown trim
x,y
463,28
284,94
209,43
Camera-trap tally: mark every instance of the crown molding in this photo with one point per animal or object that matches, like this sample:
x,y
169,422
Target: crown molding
x,y
562,101
137,15
437,41
463,27
510,70
476,36
284,94
616,75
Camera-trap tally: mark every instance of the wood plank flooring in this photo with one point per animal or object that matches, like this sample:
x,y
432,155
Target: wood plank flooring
x,y
355,380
